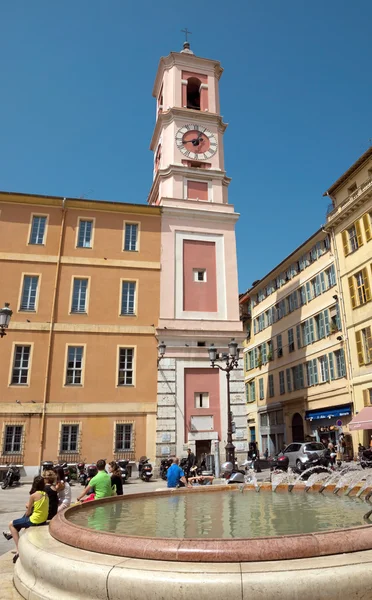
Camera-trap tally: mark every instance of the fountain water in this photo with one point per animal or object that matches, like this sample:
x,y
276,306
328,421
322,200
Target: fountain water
x,y
351,477
278,477
251,478
316,478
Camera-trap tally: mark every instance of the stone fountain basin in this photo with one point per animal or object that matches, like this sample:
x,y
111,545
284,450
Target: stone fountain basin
x,y
70,562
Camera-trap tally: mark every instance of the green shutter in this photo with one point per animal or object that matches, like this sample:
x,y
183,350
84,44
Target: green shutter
x,y
315,371
331,366
298,333
326,322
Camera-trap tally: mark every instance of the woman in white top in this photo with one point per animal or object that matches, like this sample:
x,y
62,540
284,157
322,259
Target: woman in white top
x,y
64,490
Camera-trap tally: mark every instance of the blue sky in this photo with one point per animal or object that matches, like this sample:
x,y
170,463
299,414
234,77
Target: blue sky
x,y
77,113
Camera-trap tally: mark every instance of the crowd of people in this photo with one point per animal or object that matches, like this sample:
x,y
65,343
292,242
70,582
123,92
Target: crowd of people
x,y
51,493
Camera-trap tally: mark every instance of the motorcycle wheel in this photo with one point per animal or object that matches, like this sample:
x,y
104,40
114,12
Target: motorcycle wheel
x,y
299,465
5,484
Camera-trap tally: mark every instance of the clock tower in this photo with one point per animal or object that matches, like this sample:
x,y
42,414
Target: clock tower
x,y
199,283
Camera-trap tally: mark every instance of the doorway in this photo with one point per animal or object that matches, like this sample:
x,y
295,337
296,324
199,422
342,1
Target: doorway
x,y
297,428
202,447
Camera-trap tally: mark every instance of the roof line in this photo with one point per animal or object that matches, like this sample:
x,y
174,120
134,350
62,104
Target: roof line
x,y
349,171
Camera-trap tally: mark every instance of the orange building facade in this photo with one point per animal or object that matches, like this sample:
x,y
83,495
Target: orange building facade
x,y
78,373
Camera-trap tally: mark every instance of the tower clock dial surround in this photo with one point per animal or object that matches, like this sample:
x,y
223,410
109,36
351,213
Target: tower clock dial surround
x,y
196,142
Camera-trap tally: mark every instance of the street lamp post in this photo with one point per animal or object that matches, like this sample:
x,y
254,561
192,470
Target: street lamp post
x,y
161,351
5,315
231,361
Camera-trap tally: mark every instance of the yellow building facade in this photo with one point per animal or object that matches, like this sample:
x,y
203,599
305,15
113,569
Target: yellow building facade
x,y
349,222
295,362
78,373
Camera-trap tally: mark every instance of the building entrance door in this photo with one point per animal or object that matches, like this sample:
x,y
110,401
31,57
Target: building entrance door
x,y
202,447
297,428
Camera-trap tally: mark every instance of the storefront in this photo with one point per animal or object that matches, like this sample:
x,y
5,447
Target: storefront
x,y
329,423
272,429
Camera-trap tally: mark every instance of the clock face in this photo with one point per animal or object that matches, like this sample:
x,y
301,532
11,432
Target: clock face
x,y
196,142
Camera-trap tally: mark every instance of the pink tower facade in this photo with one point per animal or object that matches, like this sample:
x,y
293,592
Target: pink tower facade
x,y
199,283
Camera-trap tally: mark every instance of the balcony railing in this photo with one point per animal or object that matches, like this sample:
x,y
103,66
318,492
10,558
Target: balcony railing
x,y
12,459
125,455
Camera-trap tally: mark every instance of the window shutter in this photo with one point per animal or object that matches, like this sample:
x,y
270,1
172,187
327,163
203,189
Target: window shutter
x,y
366,398
301,376
309,370
359,233
246,392
366,283
322,282
253,391
367,226
358,337
264,355
308,291
317,285
333,275
311,330
345,243
342,362
326,322
246,361
338,318
255,326
352,292
298,333
315,371
289,381
321,326
331,367
326,370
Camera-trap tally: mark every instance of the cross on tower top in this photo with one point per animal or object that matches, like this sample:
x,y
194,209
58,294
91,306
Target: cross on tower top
x,y
186,32
186,43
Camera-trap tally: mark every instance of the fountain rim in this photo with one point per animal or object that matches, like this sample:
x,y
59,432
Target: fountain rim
x,y
220,550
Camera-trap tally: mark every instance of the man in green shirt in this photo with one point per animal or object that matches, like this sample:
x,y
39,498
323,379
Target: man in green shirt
x,y
100,484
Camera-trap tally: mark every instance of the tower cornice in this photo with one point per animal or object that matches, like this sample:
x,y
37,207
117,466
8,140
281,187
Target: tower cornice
x,y
188,114
186,61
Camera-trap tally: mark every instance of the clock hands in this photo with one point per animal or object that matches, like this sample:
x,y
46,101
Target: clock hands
x,y
195,141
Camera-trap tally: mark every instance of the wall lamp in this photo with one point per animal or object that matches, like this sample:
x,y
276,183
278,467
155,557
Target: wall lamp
x,y
5,316
161,351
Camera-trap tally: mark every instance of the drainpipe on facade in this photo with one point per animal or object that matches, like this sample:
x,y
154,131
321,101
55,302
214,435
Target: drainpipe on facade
x,y
52,319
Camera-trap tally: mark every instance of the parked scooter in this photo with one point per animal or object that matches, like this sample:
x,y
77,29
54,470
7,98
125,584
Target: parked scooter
x,y
164,466
82,474
123,466
231,473
144,469
366,459
12,476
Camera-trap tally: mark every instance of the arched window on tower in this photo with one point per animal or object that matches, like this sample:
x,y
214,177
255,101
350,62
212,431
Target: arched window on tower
x,y
193,93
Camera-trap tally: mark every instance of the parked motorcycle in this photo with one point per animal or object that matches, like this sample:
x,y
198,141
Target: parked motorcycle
x,y
279,462
123,466
91,471
82,474
164,466
47,465
144,469
12,476
66,470
366,459
232,473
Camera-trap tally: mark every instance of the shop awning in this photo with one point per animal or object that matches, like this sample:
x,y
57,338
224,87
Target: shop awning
x,y
328,413
362,420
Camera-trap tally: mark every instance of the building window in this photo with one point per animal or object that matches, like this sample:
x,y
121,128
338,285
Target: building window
x,y
131,237
21,365
364,345
123,437
367,222
79,296
252,434
125,376
85,234
271,385
200,275
69,438
340,363
38,230
261,388
128,297
252,391
291,345
312,372
288,373
279,345
13,439
353,240
29,291
298,377
201,400
360,292
251,364
281,383
323,369
264,420
319,325
74,365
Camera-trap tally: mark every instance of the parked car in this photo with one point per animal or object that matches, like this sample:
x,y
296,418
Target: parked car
x,y
298,453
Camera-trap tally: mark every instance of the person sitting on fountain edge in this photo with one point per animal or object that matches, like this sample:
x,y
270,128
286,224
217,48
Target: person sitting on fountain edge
x,y
175,475
100,484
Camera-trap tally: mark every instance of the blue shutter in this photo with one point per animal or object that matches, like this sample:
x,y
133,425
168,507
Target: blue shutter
x,y
323,285
331,366
301,376
298,333
308,291
289,380
309,372
317,285
264,354
255,326
315,371
326,322
326,369
338,319
246,361
342,363
311,331
321,325
332,275
303,295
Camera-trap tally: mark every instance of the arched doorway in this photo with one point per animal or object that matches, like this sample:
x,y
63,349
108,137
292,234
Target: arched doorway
x,y
297,428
